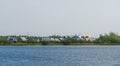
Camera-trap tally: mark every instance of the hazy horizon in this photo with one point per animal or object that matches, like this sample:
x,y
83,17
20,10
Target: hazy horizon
x,y
59,17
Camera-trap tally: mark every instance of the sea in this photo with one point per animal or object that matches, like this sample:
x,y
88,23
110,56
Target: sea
x,y
84,55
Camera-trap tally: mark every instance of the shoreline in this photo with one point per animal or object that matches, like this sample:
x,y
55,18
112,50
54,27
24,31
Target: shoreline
x,y
60,44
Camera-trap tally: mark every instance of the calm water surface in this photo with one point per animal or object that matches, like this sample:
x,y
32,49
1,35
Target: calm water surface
x,y
60,56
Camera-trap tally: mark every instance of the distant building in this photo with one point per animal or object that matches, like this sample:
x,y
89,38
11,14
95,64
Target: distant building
x,y
23,39
54,39
45,39
87,38
49,39
12,39
76,36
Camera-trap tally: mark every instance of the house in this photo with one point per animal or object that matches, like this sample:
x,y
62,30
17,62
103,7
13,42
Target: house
x,y
87,38
54,39
23,39
49,39
45,39
12,39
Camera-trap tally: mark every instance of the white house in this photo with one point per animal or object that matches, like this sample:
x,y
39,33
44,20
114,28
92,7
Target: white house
x,y
23,38
49,39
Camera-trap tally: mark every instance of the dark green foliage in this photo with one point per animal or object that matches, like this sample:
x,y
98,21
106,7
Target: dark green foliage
x,y
65,42
70,40
3,40
108,38
45,42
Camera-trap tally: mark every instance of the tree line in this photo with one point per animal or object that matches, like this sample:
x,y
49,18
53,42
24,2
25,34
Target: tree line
x,y
109,38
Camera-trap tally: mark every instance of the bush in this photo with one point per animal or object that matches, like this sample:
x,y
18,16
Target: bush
x,y
44,42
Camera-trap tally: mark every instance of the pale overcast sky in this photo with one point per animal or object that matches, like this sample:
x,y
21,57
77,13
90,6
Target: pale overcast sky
x,y
61,17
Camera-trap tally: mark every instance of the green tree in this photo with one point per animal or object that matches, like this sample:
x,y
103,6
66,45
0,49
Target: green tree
x,y
108,38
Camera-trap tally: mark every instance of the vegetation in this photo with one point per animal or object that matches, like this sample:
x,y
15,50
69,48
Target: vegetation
x,y
110,38
71,40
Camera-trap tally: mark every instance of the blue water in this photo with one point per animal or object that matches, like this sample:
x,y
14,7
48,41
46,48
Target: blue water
x,y
60,56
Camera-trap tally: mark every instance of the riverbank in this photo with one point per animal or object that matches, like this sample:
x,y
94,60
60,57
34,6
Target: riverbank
x,y
106,39
56,44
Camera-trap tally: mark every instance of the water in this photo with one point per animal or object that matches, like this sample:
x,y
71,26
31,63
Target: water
x,y
60,56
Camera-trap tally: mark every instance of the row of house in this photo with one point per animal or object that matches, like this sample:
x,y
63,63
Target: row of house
x,y
14,39
86,37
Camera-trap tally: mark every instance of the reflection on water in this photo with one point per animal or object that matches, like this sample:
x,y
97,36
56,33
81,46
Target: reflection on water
x,y
59,56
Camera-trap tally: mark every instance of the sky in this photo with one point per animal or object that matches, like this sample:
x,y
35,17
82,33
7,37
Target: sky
x,y
59,17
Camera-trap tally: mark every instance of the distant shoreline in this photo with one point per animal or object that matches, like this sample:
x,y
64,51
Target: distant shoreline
x,y
59,44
